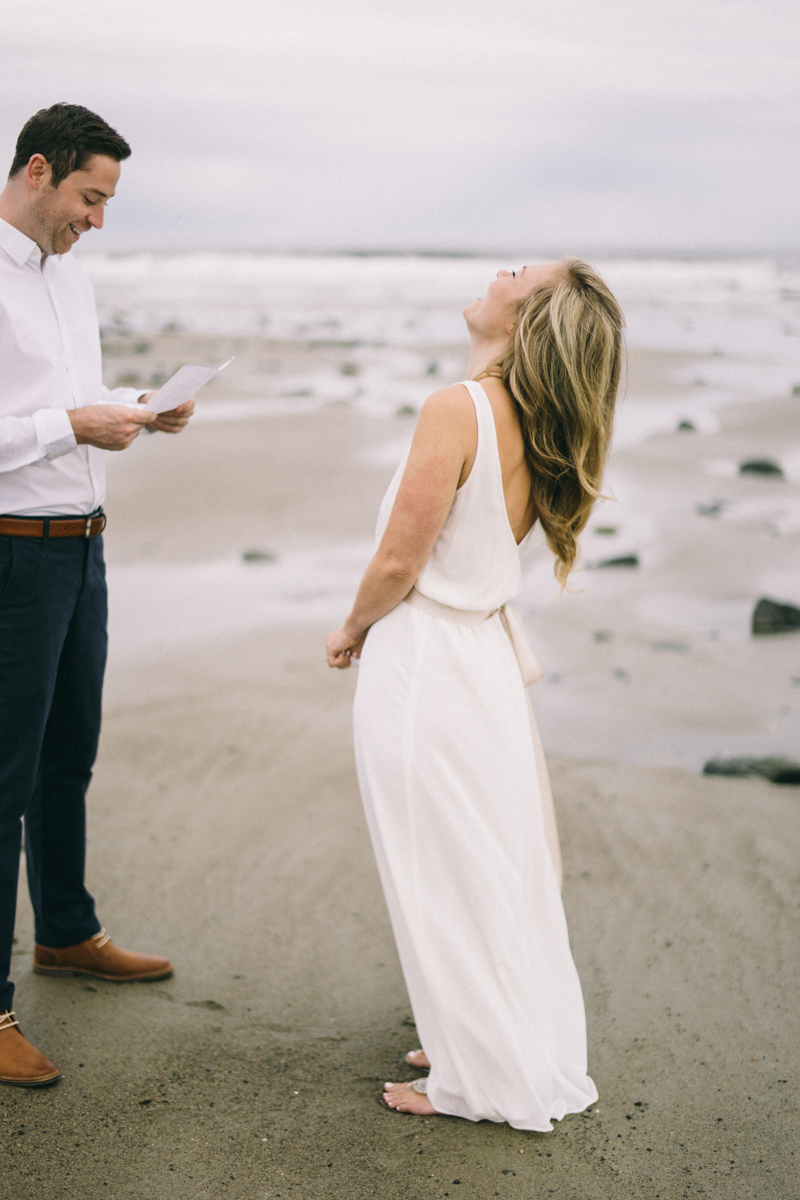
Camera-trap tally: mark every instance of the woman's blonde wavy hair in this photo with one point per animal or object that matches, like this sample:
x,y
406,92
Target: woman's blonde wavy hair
x,y
562,368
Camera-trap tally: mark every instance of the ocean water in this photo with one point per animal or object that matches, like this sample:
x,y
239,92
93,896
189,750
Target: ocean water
x,y
400,315
697,306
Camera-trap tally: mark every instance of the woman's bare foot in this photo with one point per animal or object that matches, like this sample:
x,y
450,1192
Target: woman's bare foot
x,y
406,1098
418,1059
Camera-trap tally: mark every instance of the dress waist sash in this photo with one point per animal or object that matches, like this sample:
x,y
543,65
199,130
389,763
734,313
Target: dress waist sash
x,y
512,623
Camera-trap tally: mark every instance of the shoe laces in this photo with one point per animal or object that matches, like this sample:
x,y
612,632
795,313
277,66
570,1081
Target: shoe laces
x,y
100,939
8,1019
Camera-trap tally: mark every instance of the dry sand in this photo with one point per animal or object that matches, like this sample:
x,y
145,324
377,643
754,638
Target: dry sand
x,y
226,831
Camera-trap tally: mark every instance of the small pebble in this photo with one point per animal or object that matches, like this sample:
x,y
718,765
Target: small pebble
x,y
770,616
760,466
624,560
776,770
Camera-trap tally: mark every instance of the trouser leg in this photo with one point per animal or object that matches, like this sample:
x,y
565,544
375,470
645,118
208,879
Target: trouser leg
x,y
55,818
10,845
39,586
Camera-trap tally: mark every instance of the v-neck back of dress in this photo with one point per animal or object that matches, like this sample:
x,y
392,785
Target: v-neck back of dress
x,y
475,563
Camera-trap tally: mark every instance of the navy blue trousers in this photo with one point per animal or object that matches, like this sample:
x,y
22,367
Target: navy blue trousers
x,y
53,611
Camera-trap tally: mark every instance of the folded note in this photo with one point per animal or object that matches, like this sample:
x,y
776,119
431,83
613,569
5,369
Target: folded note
x,y
181,387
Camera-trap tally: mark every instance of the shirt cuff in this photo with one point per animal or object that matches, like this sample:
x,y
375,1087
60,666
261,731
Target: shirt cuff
x,y
123,395
54,435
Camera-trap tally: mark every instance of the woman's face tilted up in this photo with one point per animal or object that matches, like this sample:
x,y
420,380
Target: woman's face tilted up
x,y
492,317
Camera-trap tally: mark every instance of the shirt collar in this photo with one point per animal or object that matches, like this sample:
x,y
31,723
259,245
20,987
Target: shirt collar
x,y
16,245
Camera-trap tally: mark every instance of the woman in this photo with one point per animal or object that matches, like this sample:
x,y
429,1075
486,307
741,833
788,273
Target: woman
x,y
449,762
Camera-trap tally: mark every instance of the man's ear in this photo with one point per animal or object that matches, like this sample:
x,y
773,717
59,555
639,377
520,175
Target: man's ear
x,y
38,171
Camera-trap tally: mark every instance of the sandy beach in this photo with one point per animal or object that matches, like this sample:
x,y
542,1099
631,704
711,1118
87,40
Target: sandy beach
x,y
226,829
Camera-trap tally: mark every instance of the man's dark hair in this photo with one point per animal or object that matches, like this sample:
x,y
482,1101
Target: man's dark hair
x,y
67,135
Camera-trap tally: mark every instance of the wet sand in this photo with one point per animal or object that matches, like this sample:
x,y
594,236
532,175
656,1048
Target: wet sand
x,y
226,831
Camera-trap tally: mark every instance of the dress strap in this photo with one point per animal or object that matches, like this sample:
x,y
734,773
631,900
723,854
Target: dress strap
x,y
487,457
483,411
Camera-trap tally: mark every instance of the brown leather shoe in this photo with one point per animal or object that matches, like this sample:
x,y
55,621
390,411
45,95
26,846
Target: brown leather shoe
x,y
21,1064
101,959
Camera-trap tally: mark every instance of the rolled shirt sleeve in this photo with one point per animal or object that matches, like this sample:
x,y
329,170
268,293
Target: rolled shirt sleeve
x,y
48,433
121,395
45,435
54,434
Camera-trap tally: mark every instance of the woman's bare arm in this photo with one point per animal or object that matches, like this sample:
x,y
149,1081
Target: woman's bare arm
x,y
444,444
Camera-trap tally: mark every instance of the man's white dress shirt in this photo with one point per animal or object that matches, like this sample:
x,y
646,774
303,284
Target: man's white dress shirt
x,y
50,362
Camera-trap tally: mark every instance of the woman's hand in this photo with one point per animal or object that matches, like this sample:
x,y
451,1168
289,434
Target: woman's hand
x,y
342,648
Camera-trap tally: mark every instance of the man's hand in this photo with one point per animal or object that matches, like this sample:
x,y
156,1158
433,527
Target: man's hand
x,y
108,426
172,421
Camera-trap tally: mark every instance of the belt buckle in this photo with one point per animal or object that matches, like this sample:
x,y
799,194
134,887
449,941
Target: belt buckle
x,y
87,533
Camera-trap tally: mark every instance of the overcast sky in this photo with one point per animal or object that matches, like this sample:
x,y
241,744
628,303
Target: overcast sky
x,y
583,125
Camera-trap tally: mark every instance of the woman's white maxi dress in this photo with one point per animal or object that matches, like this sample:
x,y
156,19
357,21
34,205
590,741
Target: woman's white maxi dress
x,y
458,807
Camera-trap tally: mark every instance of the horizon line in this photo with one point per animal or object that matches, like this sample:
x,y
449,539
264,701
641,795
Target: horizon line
x,y
675,254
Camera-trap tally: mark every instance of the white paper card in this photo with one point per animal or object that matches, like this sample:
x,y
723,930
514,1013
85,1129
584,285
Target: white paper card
x,y
181,387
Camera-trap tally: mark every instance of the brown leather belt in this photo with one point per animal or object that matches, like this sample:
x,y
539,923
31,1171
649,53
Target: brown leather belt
x,y
54,527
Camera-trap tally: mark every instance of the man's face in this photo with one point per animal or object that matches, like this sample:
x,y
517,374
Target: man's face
x,y
77,205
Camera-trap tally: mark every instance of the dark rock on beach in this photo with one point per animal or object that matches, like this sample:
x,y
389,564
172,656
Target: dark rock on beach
x,y
776,770
771,617
625,560
761,466
687,427
713,508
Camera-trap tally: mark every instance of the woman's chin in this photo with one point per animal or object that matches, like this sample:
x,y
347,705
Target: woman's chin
x,y
470,311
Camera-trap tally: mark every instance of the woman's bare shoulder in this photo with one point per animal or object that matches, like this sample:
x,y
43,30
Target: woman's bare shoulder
x,y
451,400
447,428
449,411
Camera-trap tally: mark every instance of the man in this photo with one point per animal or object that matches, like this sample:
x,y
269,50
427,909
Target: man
x,y
56,422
